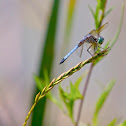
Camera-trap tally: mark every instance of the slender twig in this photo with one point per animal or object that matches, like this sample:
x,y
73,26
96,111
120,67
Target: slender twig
x,y
63,76
83,93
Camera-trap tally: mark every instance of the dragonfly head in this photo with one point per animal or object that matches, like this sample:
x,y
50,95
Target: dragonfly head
x,y
100,40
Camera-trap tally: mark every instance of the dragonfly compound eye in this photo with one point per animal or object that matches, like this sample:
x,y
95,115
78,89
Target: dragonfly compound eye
x,y
100,40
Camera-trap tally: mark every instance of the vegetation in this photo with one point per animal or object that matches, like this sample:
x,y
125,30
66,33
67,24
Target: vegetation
x,y
69,97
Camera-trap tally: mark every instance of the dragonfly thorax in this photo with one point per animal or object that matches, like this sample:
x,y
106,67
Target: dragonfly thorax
x,y
100,40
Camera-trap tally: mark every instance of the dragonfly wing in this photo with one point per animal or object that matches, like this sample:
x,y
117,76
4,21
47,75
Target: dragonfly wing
x,y
79,51
95,48
103,27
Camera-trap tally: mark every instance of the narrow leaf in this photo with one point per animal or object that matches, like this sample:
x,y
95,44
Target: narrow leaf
x,y
39,83
102,4
92,12
120,26
112,123
101,101
79,80
54,100
108,12
123,124
69,20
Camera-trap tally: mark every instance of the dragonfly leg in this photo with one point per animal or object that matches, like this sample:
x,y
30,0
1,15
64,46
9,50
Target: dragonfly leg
x,y
89,51
100,47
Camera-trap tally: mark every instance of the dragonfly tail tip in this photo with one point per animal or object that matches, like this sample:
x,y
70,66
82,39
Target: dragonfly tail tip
x,y
62,61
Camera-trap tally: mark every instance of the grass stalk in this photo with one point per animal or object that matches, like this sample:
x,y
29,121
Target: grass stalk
x,y
83,94
63,76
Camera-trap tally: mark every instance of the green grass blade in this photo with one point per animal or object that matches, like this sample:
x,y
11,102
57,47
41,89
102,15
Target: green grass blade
x,y
120,26
92,12
69,20
112,123
108,12
40,84
101,101
79,80
123,124
46,62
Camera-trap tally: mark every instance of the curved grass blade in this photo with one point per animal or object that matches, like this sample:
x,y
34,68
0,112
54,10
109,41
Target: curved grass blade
x,y
120,26
69,20
101,101
123,124
92,12
112,123
108,12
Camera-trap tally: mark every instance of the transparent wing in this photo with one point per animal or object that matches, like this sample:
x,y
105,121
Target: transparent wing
x,y
103,27
79,51
93,49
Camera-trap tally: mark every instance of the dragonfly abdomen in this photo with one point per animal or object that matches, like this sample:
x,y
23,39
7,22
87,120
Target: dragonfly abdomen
x,y
65,57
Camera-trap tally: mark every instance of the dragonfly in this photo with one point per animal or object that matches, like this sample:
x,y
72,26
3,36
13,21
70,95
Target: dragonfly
x,y
91,39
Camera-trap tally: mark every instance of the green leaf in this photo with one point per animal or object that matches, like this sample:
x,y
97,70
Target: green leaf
x,y
112,123
71,96
46,62
108,12
107,45
79,80
74,89
99,13
69,20
74,92
54,100
101,4
97,17
123,124
92,12
101,101
39,83
46,77
42,83
119,27
68,103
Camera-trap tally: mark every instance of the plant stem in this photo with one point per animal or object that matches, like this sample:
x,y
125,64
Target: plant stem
x,y
84,93
29,113
61,77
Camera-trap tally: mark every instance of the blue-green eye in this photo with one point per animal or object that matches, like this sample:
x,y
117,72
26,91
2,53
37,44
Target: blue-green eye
x,y
100,40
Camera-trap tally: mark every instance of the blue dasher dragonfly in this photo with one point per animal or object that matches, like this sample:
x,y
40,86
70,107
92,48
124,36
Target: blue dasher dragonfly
x,y
91,39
